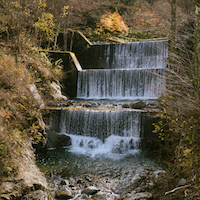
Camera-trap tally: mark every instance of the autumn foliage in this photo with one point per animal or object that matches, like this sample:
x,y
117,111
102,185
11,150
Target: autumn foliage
x,y
113,23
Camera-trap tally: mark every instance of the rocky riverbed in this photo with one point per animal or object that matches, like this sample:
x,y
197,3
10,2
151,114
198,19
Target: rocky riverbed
x,y
80,177
125,186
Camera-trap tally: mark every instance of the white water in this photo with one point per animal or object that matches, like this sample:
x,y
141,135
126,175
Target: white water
x,y
100,132
120,84
114,146
152,54
101,123
131,71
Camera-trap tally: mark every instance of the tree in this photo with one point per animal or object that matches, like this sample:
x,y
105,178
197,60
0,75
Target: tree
x,y
173,23
197,46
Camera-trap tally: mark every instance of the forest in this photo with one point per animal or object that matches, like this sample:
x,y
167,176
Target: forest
x,y
27,26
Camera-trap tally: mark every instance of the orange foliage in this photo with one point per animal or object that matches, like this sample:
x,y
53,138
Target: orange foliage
x,y
112,23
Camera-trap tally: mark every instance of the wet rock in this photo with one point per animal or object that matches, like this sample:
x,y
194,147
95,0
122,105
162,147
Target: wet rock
x,y
125,106
91,144
64,182
138,105
159,175
142,195
63,140
182,182
90,104
56,141
91,190
139,189
64,195
106,196
88,178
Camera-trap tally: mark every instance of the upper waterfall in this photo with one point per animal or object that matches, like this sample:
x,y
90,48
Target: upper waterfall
x,y
146,54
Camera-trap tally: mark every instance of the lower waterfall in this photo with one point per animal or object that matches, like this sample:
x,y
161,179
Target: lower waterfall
x,y
100,130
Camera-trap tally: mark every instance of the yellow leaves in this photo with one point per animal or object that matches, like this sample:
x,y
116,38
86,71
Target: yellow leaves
x,y
38,80
45,24
65,11
173,121
186,152
22,106
113,23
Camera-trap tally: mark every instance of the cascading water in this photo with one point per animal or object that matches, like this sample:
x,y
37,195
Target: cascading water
x,y
132,71
100,131
135,55
118,84
105,140
152,54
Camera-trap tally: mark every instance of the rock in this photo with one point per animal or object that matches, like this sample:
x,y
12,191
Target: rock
x,y
138,105
64,195
139,189
106,196
91,190
36,95
28,182
159,174
90,104
125,106
63,140
64,182
80,181
182,182
88,178
56,141
142,195
56,92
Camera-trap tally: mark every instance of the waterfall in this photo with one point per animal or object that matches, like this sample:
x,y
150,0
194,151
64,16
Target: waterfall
x,y
151,54
120,84
135,55
110,129
130,71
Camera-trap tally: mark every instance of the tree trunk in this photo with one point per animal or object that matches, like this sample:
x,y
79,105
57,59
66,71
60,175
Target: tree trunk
x,y
197,45
173,24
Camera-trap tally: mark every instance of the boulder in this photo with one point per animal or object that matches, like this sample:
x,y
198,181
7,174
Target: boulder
x,y
182,182
159,175
91,190
142,195
56,140
125,106
56,92
138,105
64,195
63,140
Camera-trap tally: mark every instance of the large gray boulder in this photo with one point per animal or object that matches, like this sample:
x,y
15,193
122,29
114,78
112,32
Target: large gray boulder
x,y
57,140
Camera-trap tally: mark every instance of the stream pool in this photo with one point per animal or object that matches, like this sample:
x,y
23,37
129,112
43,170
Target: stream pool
x,y
115,174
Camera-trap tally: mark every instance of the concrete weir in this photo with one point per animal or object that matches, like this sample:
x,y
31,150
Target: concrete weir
x,y
129,71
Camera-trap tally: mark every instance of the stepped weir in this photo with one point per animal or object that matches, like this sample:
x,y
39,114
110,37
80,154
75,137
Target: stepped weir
x,y
120,72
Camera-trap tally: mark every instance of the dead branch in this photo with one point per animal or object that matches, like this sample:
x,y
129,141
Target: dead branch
x,y
178,188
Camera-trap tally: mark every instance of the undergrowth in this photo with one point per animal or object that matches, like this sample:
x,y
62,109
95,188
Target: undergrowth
x,y
25,89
